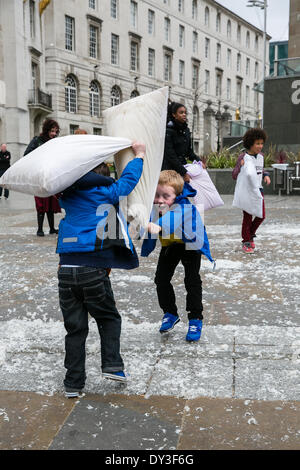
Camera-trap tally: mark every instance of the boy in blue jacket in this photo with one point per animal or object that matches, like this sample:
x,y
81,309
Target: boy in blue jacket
x,y
93,238
183,238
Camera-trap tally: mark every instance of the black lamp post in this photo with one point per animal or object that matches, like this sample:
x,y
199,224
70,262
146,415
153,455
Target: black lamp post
x,y
218,117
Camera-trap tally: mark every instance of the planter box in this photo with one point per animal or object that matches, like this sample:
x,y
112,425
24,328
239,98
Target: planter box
x,y
225,184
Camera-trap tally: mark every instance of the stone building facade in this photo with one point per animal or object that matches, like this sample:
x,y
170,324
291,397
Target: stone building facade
x,y
71,59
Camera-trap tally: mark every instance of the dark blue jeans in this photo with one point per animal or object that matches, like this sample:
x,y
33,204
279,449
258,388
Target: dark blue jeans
x,y
84,290
168,260
6,191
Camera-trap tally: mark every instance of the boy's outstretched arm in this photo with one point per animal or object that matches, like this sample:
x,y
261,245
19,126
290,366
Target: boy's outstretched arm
x,y
130,176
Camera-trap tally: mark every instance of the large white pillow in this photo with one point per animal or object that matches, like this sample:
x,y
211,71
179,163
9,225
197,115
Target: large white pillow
x,y
207,194
57,164
247,195
143,119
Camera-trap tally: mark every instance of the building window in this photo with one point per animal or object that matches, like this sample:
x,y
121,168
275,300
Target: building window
x,y
69,33
238,92
134,56
181,36
94,99
32,18
256,71
151,62
195,42
248,40
73,128
92,4
206,17
218,85
34,75
207,82
181,6
71,94
207,48
229,58
218,23
195,76
247,95
94,33
195,9
238,34
248,66
114,49
228,89
114,9
181,72
151,22
238,62
133,14
167,25
97,131
196,119
167,67
256,43
218,57
115,96
228,29
134,94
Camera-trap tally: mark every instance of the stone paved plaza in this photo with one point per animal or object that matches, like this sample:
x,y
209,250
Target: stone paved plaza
x,y
243,372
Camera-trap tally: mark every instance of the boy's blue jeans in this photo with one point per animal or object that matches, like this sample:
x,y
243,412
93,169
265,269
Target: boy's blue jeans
x,y
169,258
84,290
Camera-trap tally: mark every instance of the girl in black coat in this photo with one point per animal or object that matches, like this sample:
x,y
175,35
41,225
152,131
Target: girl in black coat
x,y
178,143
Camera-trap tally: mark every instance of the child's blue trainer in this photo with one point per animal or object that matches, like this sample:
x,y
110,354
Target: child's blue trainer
x,y
168,322
194,331
119,376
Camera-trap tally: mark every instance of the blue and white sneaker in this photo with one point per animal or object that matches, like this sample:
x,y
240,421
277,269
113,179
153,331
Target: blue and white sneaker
x,y
119,376
168,322
194,331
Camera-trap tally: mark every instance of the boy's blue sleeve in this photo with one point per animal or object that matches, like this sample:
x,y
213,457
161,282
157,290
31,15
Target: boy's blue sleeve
x,y
126,183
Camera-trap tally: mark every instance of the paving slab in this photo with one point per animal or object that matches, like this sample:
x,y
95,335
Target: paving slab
x,y
226,424
29,421
121,423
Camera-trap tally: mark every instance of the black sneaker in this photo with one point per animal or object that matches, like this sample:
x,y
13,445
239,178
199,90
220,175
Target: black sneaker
x,y
72,393
52,231
40,233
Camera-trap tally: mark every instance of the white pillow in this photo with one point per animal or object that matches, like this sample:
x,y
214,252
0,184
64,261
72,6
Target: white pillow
x,y
207,194
143,119
247,195
57,164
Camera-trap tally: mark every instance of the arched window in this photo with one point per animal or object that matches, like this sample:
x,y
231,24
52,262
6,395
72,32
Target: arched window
x,y
228,29
115,95
195,9
248,40
71,94
218,23
134,94
196,119
94,99
206,16
238,34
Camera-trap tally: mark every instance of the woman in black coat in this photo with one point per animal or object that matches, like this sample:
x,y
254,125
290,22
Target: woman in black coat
x,y
178,142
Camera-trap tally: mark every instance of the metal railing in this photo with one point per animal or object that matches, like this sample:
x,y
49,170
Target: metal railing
x,y
287,67
238,128
38,97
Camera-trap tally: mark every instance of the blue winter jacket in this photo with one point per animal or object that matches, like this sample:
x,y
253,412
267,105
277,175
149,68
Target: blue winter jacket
x,y
183,220
93,221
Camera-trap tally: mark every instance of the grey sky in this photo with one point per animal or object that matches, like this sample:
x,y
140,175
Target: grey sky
x,y
277,16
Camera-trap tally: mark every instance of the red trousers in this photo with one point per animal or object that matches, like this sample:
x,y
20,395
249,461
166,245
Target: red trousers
x,y
250,226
